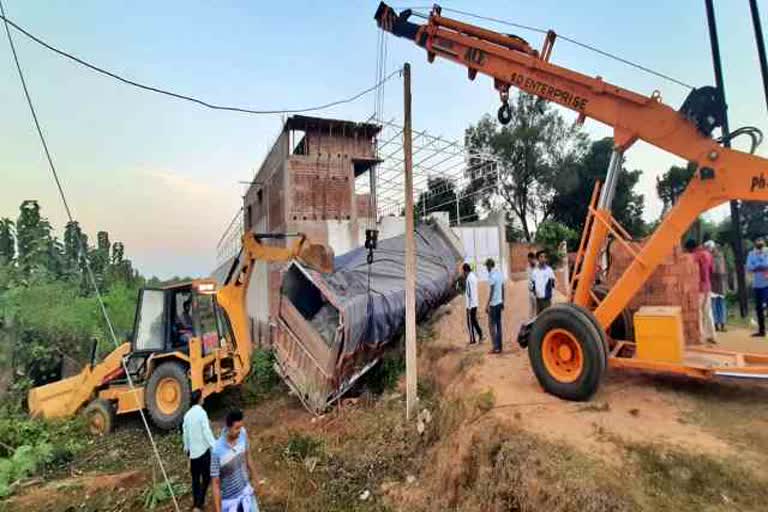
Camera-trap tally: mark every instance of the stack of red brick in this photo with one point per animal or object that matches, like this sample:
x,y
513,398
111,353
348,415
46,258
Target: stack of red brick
x,y
674,283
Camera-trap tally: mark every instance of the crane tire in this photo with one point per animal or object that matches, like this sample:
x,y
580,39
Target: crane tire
x,y
99,417
168,395
599,328
567,353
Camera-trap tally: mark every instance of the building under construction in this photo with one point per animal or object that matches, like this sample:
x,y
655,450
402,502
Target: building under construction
x,y
307,184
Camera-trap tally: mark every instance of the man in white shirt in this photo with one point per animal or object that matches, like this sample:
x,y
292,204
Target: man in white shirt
x,y
198,442
471,299
542,283
532,263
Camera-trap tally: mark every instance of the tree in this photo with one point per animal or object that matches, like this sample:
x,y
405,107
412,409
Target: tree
x,y
528,152
36,246
7,242
441,196
575,182
754,216
671,185
550,234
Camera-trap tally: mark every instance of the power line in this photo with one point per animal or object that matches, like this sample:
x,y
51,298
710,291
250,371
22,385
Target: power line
x,y
572,41
184,97
83,247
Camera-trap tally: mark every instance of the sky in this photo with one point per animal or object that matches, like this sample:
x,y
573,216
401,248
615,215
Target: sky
x,y
163,176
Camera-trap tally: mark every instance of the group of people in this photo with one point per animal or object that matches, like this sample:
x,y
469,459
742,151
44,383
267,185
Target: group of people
x,y
225,462
713,285
541,283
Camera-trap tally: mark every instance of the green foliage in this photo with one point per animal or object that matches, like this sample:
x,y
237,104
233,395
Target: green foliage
x,y
23,463
7,241
384,376
671,185
550,234
262,380
158,492
27,445
301,446
47,304
532,151
575,182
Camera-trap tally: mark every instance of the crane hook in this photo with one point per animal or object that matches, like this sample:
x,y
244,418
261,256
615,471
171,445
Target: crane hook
x,y
505,113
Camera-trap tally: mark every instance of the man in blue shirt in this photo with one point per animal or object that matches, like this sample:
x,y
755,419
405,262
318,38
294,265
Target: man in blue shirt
x,y
495,304
757,263
232,469
198,441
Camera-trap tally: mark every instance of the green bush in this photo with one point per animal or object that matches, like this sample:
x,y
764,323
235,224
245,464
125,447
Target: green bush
x,y
263,378
301,446
550,234
158,492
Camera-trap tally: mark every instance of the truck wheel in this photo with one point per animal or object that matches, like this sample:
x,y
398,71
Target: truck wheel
x,y
567,353
168,395
99,416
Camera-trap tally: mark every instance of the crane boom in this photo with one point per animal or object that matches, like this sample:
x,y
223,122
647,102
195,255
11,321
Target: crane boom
x,y
722,173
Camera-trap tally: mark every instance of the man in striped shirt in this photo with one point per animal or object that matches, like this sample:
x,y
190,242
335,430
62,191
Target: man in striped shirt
x,y
232,469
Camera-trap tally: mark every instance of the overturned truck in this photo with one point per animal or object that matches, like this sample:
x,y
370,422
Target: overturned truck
x,y
332,328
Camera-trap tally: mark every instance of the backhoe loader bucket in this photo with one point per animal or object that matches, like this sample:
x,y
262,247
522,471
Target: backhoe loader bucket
x,y
55,400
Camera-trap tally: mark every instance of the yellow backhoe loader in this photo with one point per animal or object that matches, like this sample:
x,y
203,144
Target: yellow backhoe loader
x,y
186,337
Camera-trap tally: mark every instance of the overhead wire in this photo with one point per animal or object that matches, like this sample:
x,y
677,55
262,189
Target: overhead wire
x,y
83,248
188,98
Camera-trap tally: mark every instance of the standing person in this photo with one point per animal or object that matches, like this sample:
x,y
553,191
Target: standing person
x,y
542,282
719,285
495,304
703,259
198,442
531,294
470,296
232,469
757,263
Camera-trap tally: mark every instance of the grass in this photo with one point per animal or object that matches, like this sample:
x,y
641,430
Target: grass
x,y
508,469
673,480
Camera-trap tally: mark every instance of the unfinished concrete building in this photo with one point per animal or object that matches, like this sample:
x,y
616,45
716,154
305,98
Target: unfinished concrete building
x,y
307,184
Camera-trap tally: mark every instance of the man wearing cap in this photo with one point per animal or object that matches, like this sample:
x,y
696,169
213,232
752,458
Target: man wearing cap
x,y
757,263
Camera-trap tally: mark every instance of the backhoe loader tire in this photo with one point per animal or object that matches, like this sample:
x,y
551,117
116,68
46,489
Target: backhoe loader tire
x,y
168,395
99,416
567,353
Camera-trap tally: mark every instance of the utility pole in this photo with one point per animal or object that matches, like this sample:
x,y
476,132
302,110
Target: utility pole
x,y
738,242
410,254
760,46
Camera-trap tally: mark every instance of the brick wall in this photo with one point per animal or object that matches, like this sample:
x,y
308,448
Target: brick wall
x,y
674,283
518,256
321,188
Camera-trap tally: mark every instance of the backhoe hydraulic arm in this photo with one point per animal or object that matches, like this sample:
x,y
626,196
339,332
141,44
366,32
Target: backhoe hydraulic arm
x,y
722,173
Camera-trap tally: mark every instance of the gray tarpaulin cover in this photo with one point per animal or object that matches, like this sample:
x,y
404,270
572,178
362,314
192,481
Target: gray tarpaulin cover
x,y
376,318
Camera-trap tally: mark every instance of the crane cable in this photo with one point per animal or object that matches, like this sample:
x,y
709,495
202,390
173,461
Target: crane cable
x,y
83,249
185,97
565,38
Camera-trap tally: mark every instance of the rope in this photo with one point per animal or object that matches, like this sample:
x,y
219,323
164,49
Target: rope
x,y
83,249
184,97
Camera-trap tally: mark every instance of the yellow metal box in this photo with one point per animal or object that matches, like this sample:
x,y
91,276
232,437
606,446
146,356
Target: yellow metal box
x,y
659,334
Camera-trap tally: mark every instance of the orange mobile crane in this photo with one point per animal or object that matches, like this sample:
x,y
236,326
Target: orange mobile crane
x,y
568,344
